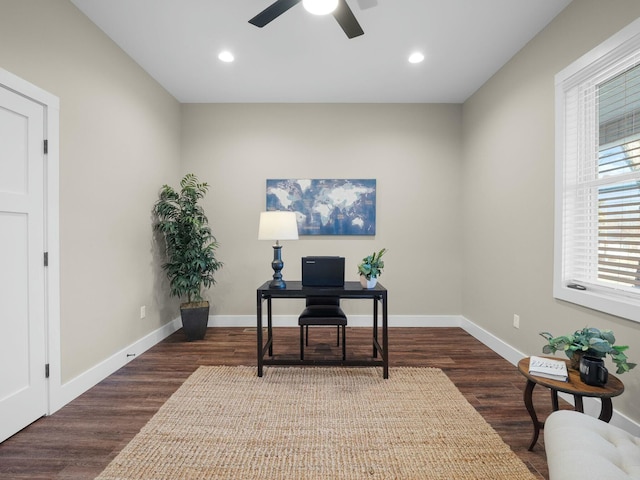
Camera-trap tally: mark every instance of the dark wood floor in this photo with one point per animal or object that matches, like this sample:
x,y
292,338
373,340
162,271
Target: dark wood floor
x,y
78,441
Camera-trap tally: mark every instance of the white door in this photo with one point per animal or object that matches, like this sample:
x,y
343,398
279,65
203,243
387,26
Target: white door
x,y
23,385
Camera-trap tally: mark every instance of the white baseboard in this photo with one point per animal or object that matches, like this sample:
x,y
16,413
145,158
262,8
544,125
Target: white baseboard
x,y
72,389
93,376
506,351
591,405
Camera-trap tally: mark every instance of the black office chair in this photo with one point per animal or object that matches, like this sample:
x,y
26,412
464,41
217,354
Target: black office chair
x,y
322,311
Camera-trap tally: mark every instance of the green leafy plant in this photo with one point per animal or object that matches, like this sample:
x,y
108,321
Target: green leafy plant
x,y
592,342
191,260
371,266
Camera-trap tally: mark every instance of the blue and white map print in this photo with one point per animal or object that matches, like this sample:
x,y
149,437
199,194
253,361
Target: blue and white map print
x,y
326,207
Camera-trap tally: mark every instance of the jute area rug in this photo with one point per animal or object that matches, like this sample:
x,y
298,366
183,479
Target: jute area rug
x,y
316,423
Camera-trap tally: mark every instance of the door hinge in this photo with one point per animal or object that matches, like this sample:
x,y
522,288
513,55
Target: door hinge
x,y
46,146
46,259
46,370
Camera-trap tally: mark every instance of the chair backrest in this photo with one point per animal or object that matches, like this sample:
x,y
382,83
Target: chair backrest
x,y
333,301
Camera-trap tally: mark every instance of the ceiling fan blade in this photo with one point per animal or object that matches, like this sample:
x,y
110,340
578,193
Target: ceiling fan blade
x,y
364,4
347,20
272,12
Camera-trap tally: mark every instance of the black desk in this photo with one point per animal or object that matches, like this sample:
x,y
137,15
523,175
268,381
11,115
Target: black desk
x,y
349,290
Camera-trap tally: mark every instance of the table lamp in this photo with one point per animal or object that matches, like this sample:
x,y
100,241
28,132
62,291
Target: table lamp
x,y
277,225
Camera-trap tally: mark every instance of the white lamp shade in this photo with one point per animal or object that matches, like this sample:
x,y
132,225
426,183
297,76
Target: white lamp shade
x,y
320,7
278,225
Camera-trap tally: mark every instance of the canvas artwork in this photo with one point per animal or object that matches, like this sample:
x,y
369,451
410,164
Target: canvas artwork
x,y
326,206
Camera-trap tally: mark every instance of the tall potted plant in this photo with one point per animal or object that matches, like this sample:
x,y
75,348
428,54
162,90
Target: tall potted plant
x,y
191,248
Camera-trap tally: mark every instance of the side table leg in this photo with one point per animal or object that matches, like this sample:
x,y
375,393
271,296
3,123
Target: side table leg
x,y
554,400
607,410
528,402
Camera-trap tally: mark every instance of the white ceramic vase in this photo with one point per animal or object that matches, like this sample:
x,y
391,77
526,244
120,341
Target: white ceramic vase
x,y
368,283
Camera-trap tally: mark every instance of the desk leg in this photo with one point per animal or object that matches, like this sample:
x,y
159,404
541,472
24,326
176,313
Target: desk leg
x,y
528,402
385,338
375,327
269,327
259,333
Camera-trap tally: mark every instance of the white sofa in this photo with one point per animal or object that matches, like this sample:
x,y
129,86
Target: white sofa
x,y
579,446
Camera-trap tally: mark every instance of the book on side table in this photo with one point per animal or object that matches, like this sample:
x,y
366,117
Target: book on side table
x,y
548,368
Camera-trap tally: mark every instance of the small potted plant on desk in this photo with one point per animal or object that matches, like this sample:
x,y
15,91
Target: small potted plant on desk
x,y
591,342
191,261
371,268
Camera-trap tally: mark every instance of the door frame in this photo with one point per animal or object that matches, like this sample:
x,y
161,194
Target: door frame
x,y
51,105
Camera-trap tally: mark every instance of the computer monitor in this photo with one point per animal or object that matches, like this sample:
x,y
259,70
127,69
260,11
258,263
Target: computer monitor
x,y
322,271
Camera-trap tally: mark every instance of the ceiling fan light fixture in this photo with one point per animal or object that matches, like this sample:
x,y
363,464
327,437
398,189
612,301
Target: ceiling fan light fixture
x,y
320,7
226,56
416,57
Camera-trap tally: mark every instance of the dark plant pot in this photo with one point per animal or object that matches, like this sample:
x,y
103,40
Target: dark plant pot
x,y
195,317
577,356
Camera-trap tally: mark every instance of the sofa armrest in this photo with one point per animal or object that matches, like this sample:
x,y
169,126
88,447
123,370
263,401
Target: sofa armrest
x,y
581,446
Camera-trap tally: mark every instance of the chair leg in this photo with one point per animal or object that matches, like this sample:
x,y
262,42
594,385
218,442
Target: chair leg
x,y
304,340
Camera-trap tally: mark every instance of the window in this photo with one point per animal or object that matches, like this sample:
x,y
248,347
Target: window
x,y
597,234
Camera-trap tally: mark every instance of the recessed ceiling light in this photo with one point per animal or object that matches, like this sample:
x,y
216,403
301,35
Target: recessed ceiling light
x,y
320,7
416,57
226,56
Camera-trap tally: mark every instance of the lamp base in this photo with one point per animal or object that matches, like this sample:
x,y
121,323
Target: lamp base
x,y
277,265
277,283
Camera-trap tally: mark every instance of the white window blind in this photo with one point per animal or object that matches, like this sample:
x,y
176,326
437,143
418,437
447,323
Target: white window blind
x,y
598,184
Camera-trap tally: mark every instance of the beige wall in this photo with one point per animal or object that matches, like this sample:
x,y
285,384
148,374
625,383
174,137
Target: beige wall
x,y
508,184
119,140
413,151
482,247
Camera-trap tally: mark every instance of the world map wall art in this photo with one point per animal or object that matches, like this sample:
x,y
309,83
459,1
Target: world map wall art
x,y
326,206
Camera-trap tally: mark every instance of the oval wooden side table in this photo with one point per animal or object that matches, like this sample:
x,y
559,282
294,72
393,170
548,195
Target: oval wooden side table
x,y
574,386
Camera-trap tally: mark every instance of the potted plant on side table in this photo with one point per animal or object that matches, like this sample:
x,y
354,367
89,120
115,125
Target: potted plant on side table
x,y
191,260
589,341
371,268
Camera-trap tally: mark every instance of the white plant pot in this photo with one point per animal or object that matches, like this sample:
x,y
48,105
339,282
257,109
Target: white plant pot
x,y
368,283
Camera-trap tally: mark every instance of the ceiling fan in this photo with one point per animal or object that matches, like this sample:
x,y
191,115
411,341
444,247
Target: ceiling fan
x,y
343,15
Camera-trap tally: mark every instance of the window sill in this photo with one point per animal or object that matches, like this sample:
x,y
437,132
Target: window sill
x,y
613,305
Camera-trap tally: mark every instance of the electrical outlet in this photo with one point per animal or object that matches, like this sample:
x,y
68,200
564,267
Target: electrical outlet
x,y
143,311
516,321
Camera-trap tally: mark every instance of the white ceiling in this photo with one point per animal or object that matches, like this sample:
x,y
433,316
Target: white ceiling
x,y
303,58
